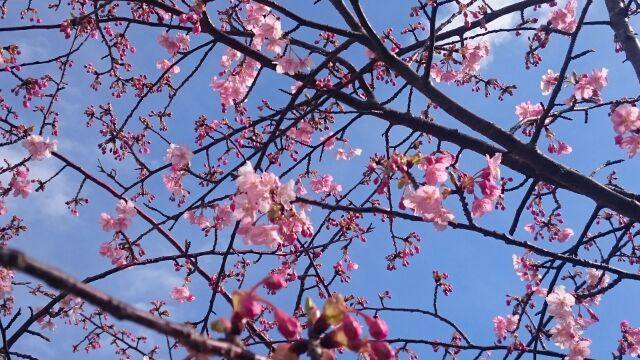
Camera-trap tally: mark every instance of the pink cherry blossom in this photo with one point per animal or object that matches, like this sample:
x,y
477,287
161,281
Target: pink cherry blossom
x,y
3,208
165,64
182,294
325,184
560,302
493,166
264,234
625,117
106,222
20,183
179,155
564,18
565,234
579,350
6,277
564,333
39,148
126,208
435,168
527,110
549,80
425,201
481,206
199,220
121,223
173,183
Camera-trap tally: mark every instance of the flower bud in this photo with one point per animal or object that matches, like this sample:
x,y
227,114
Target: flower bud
x,y
351,327
288,326
382,350
378,329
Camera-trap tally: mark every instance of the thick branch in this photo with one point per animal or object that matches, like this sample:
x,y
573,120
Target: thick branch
x,y
624,33
62,281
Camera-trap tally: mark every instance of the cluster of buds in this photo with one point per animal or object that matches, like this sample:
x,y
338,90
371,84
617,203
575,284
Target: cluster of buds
x,y
334,327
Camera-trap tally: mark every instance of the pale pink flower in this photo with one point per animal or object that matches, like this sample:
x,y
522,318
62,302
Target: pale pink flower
x,y
173,183
493,166
199,220
287,65
121,223
480,207
560,302
229,57
565,234
579,350
179,155
183,41
223,216
441,219
435,168
3,208
106,222
472,55
165,64
260,234
38,147
322,184
595,278
549,80
631,144
286,193
564,18
527,110
564,333
342,154
598,78
168,43
302,132
583,89
329,144
425,201
126,208
625,117
500,328
182,294
6,277
20,183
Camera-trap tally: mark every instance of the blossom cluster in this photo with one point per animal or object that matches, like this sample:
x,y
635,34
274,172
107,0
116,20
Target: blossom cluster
x,y
126,211
567,332
626,124
265,194
267,30
564,18
488,181
472,56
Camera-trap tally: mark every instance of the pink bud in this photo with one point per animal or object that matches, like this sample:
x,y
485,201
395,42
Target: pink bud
x,y
382,350
288,326
351,327
378,329
250,308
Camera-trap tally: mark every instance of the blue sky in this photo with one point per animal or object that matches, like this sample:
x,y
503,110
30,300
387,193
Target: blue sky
x,y
480,268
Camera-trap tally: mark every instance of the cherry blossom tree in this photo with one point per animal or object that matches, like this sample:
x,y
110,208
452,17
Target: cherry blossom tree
x,y
282,165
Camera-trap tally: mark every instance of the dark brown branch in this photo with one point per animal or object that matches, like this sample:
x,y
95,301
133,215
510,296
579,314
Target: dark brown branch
x,y
62,281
